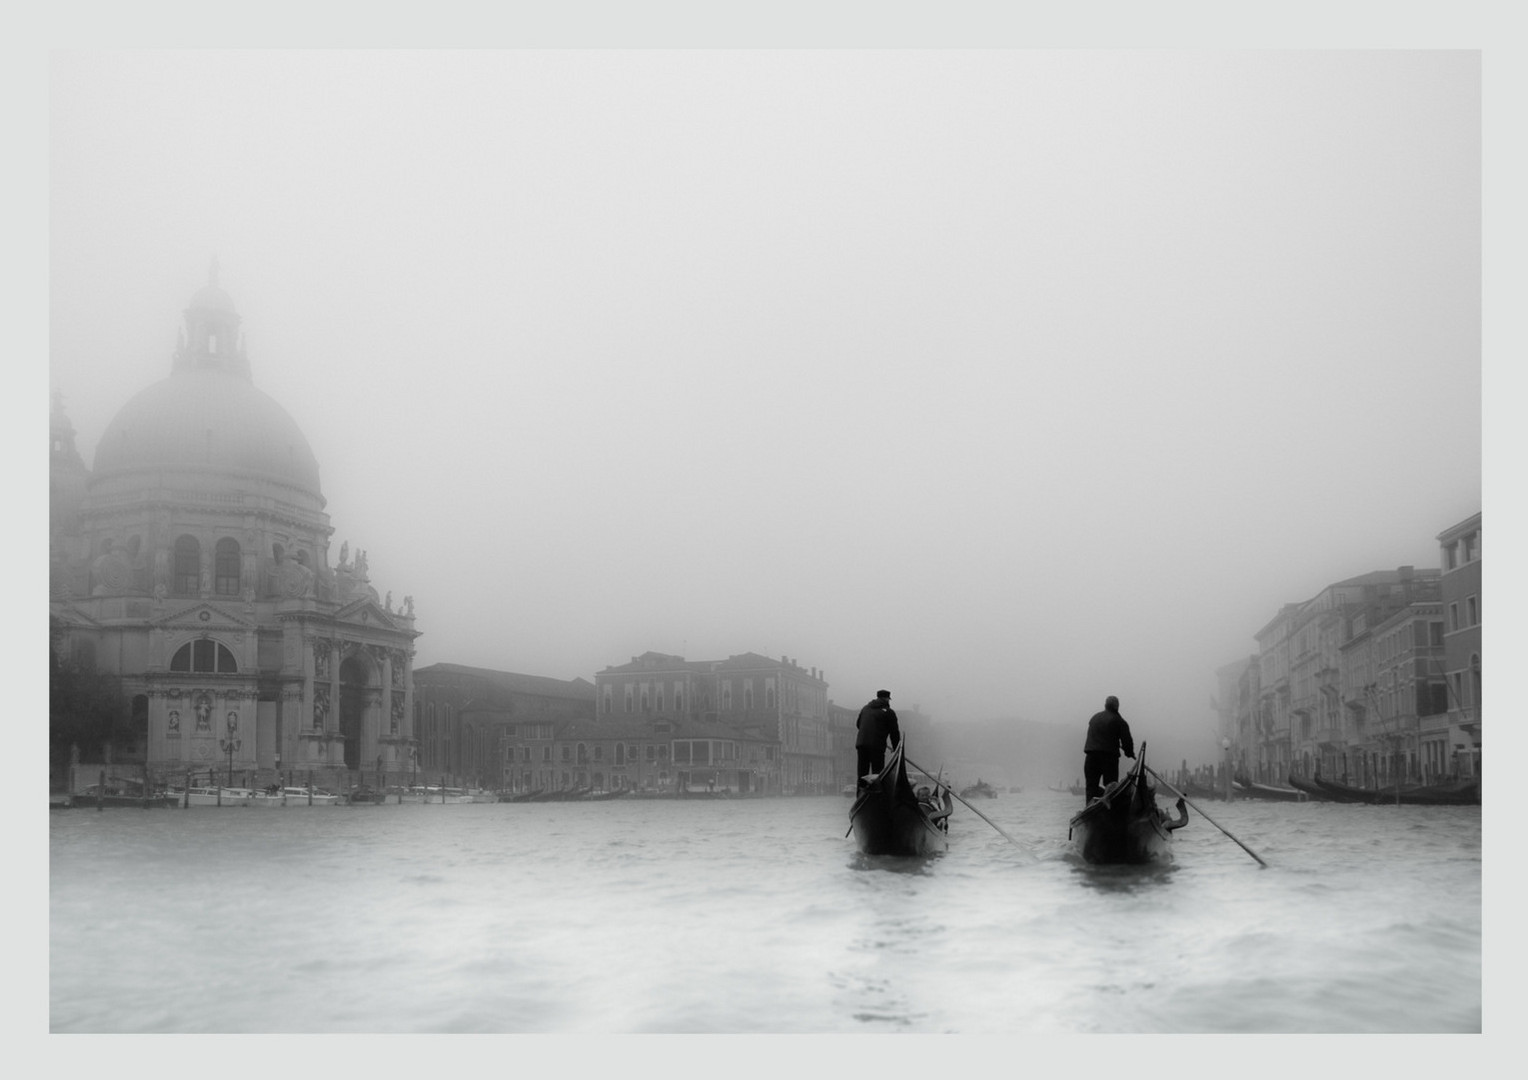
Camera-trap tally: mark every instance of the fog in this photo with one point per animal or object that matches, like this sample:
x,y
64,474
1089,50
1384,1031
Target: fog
x,y
1003,380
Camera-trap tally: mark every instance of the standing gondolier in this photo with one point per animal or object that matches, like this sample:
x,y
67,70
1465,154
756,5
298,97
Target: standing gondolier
x,y
876,723
1108,734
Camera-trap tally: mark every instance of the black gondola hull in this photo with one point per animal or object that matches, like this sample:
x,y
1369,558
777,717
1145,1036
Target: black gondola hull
x,y
1124,826
886,818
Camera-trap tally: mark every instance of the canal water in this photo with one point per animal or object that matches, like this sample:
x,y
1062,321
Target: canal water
x,y
757,916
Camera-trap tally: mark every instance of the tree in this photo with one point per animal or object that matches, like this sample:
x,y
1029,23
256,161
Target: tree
x,y
86,707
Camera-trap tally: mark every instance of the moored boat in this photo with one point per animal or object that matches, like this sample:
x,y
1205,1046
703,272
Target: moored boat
x,y
1465,792
1124,825
1315,791
1251,789
215,796
1346,792
93,796
888,818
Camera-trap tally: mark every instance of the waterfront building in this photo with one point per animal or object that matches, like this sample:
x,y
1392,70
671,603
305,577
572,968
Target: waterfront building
x,y
1236,707
659,755
1311,714
463,714
1457,747
778,705
841,733
1272,750
192,560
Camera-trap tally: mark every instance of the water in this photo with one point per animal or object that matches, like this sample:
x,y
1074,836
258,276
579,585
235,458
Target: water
x,y
756,916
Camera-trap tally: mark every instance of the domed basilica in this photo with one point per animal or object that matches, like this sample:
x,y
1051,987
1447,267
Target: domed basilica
x,y
193,561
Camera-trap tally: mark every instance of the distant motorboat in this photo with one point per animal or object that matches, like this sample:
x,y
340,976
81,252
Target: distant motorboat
x,y
981,787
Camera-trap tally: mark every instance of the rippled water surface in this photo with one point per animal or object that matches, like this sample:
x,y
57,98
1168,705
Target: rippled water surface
x,y
752,916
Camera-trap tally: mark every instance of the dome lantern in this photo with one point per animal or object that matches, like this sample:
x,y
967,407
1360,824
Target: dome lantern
x,y
211,335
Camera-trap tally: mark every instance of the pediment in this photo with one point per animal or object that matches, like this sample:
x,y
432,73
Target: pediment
x,y
204,616
367,612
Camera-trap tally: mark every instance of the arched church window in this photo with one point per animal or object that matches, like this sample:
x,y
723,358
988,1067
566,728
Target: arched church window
x,y
226,564
204,655
188,566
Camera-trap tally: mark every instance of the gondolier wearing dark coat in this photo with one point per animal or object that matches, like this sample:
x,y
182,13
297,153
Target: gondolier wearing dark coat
x,y
877,722
1108,734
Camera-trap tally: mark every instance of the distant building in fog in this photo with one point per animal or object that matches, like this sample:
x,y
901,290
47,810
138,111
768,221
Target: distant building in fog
x,y
775,704
1461,557
1350,683
463,715
193,561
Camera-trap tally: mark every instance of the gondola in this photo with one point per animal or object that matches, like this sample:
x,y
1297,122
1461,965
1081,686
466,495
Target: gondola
x,y
1316,791
1458,793
1202,791
1347,793
1124,824
887,817
1251,789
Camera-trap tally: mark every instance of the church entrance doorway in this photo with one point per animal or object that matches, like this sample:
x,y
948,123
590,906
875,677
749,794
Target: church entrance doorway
x,y
355,677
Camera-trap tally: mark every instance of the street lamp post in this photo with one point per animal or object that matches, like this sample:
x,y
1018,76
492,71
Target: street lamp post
x,y
230,744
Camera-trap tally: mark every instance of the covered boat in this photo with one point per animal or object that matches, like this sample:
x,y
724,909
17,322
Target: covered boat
x,y
1124,825
888,818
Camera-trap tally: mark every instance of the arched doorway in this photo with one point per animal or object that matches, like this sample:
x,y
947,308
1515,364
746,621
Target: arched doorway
x,y
357,673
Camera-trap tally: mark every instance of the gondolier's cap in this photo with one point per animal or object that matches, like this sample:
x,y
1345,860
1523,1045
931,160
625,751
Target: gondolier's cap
x,y
1111,702
883,694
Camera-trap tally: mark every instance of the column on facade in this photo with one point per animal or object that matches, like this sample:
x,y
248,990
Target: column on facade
x,y
332,717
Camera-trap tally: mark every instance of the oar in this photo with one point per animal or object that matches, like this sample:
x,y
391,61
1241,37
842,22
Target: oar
x,y
968,806
1202,814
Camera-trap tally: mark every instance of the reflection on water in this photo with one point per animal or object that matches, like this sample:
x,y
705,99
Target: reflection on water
x,y
756,916
1121,878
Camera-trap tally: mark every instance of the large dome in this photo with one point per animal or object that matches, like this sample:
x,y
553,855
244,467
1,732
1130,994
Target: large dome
x,y
207,419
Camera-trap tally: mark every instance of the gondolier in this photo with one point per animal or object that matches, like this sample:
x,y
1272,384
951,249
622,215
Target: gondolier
x,y
876,723
1108,734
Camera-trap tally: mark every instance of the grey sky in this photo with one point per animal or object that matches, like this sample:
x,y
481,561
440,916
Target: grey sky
x,y
1005,380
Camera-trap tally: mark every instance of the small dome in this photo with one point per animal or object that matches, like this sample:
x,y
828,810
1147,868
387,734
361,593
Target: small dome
x,y
207,419
212,298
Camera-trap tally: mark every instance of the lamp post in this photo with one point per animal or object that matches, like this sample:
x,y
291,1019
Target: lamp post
x,y
229,744
1225,744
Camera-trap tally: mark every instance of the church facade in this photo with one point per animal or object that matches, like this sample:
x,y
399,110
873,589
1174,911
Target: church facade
x,y
192,559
